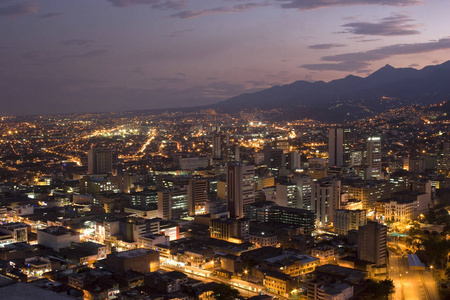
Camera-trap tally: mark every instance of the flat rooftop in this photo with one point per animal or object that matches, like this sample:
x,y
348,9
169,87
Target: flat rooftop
x,y
133,253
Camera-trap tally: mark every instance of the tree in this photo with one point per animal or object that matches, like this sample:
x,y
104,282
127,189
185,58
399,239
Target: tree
x,y
379,290
224,291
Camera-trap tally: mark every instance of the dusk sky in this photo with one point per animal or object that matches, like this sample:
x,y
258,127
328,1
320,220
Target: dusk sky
x,y
115,55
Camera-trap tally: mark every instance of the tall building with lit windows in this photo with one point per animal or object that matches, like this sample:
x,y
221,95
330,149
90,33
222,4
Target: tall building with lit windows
x,y
240,187
173,204
326,197
198,195
100,161
339,147
374,156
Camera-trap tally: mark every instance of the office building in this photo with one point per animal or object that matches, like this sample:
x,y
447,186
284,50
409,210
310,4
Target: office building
x,y
198,195
240,187
338,147
303,183
372,243
374,156
345,220
173,203
220,146
100,161
233,230
269,212
326,197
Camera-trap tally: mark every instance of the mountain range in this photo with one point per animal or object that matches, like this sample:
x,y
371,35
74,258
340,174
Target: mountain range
x,y
351,97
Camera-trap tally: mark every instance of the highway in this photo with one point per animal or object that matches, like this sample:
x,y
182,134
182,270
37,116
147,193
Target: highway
x,y
410,284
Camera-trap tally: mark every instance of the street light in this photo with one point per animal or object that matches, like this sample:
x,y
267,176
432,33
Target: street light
x,y
294,293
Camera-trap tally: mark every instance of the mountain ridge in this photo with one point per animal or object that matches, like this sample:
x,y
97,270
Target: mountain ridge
x,y
425,86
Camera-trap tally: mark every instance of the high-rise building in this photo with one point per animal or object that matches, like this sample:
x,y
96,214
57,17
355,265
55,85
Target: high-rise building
x,y
287,195
356,158
443,160
229,229
303,183
198,195
339,147
372,243
269,212
274,157
100,161
374,156
173,204
220,145
326,197
240,187
345,220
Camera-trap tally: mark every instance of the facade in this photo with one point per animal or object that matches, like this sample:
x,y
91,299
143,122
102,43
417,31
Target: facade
x,y
326,197
57,237
325,254
277,282
100,161
139,260
263,239
287,195
369,192
18,231
374,156
173,204
372,243
400,210
345,220
198,195
268,212
240,188
338,147
304,184
229,229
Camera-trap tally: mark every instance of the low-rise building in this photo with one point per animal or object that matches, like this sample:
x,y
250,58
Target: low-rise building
x,y
57,237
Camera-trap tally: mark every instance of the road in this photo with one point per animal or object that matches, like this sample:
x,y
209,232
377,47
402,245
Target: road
x,y
245,288
411,284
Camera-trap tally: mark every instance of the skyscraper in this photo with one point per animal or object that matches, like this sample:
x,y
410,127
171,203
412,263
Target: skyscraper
x,y
326,197
372,243
220,146
240,187
339,147
100,161
374,156
198,195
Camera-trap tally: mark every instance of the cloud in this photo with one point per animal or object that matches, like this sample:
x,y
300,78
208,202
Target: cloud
x,y
189,14
391,26
170,4
51,15
325,46
388,51
345,66
77,42
180,32
126,3
168,80
19,10
156,4
367,40
93,53
315,4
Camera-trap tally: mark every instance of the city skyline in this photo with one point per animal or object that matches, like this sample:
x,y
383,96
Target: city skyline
x,y
116,55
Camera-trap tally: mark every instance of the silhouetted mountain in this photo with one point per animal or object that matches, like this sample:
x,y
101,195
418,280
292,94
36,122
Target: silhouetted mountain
x,y
352,97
